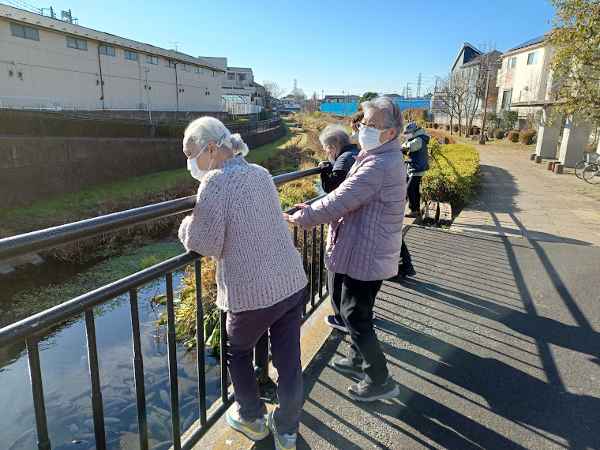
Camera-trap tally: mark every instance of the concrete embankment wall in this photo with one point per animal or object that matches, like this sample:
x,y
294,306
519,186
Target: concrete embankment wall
x,y
38,167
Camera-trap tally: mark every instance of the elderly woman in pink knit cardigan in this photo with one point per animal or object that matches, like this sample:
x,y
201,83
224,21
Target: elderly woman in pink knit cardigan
x,y
365,214
260,279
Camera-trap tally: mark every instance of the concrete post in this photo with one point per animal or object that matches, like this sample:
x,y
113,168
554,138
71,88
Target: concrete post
x,y
575,138
547,136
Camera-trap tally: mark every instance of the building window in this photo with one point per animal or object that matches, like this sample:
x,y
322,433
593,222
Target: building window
x,y
108,50
151,59
512,62
198,69
77,44
506,99
531,58
172,64
242,76
24,32
231,76
131,56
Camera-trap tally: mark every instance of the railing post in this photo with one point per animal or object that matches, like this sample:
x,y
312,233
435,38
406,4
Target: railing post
x,y
37,390
200,342
97,407
138,371
172,356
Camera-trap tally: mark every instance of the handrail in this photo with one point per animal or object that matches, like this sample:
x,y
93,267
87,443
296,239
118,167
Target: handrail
x,y
55,315
63,234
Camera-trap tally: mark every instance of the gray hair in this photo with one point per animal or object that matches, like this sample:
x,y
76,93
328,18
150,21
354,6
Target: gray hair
x,y
335,135
206,129
392,116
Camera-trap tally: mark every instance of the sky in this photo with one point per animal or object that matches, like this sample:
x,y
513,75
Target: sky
x,y
330,47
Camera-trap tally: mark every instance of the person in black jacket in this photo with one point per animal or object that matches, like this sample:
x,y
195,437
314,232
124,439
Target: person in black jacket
x,y
341,154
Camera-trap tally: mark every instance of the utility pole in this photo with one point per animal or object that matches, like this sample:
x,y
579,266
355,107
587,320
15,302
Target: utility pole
x,y
485,102
419,85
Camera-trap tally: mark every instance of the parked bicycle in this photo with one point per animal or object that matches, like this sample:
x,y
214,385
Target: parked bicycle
x,y
590,159
591,173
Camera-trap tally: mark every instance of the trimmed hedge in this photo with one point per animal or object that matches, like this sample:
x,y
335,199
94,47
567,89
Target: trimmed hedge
x,y
527,137
453,174
513,136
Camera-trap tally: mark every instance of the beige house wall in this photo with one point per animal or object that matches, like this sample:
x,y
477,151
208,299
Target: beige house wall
x,y
48,74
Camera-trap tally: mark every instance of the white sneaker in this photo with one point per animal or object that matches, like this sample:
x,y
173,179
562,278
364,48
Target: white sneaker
x,y
282,441
256,430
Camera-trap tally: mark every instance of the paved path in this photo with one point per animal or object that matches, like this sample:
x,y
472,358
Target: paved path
x,y
495,343
527,198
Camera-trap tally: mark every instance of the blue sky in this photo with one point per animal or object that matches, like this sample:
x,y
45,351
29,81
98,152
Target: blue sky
x,y
331,46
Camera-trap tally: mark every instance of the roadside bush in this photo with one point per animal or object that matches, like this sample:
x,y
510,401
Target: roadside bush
x,y
447,127
498,133
455,128
475,130
453,175
513,136
527,137
435,126
441,137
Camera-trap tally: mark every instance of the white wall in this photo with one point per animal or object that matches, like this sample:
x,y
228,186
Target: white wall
x,y
528,82
54,75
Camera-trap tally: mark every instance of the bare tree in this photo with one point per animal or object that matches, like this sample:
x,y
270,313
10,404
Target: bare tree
x,y
451,98
272,90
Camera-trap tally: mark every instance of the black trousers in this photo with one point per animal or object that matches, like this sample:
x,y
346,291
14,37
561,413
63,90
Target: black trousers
x,y
356,299
261,357
413,192
405,258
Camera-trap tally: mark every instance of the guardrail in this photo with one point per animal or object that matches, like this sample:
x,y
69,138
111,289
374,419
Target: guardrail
x,y
32,329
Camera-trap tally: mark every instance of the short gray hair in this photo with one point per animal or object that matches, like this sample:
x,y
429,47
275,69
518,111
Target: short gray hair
x,y
335,135
392,116
207,129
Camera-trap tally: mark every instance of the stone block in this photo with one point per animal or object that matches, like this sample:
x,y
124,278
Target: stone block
x,y
558,168
431,212
445,217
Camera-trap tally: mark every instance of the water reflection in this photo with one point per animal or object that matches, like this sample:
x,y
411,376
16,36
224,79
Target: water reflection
x,y
66,380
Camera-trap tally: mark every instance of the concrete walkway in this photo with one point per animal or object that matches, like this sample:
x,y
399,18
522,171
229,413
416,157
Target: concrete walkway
x,y
495,343
527,198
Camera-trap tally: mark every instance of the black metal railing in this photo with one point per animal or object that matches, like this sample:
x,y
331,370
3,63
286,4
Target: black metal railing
x,y
32,329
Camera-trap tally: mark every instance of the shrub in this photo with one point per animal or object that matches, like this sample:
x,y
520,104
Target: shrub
x,y
447,127
414,114
527,137
455,128
498,133
453,175
441,137
435,126
475,130
513,136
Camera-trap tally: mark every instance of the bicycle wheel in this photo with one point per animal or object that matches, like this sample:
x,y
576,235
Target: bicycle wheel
x,y
591,174
579,167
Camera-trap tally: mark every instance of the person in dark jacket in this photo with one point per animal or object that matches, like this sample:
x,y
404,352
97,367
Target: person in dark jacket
x,y
341,155
417,163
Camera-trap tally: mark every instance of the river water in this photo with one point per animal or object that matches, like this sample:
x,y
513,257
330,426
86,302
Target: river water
x,y
63,356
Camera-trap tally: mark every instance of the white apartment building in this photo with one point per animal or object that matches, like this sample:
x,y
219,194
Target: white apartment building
x,y
525,79
49,63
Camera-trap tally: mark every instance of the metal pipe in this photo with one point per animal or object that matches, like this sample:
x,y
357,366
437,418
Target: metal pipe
x,y
97,407
172,357
63,234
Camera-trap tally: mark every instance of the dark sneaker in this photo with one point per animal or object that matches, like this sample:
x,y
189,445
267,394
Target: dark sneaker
x,y
256,430
369,392
336,323
406,270
347,366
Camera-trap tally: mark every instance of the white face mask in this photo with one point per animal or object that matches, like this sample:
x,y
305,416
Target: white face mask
x,y
368,138
195,171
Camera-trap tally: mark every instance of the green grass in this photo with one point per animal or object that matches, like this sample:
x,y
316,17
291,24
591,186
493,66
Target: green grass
x,y
95,201
260,154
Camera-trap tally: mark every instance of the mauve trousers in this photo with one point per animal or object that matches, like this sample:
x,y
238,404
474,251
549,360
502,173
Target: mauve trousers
x,y
244,329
